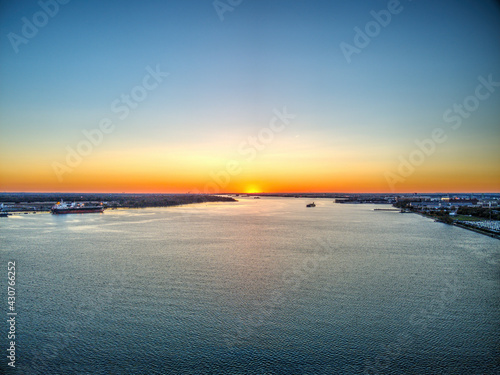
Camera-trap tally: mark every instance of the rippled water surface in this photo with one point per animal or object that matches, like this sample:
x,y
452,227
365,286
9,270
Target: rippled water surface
x,y
259,286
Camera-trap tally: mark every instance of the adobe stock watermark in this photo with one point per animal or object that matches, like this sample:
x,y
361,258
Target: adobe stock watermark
x,y
428,146
30,27
249,149
120,107
372,29
223,6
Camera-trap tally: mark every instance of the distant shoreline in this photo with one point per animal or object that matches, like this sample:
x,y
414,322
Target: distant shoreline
x,y
43,203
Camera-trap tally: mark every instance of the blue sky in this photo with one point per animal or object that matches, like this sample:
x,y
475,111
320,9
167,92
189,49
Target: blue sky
x,y
226,77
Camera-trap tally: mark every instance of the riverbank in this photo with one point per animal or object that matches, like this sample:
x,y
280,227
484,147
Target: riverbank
x,y
477,229
450,221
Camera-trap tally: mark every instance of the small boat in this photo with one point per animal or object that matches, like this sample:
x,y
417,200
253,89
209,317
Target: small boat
x,y
311,205
256,197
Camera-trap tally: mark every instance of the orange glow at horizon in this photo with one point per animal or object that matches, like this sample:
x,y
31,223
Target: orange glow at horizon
x,y
140,171
280,183
252,189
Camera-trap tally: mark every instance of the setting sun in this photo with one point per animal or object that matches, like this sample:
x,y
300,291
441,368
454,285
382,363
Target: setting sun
x,y
252,189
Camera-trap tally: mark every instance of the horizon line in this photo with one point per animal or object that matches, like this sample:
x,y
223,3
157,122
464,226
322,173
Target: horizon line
x,y
252,193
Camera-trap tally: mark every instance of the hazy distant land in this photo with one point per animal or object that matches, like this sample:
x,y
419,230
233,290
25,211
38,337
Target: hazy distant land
x,y
44,201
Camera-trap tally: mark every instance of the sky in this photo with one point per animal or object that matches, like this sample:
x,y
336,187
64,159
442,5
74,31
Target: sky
x,y
249,96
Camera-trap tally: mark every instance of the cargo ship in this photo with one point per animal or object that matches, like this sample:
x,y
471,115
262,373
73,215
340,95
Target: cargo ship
x,y
3,213
76,208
